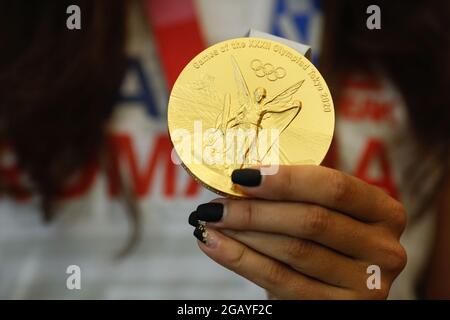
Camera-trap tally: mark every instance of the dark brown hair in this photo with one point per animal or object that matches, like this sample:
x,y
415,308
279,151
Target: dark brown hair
x,y
413,48
58,86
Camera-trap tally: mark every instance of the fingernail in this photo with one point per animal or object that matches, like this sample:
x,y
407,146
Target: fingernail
x,y
247,177
210,212
193,219
205,236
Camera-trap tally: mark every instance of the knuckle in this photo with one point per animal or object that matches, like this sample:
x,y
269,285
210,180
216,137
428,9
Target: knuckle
x,y
248,213
395,257
298,250
400,260
317,221
340,186
289,183
235,261
398,216
275,274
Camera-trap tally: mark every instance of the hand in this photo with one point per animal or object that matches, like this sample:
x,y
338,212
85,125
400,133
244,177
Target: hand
x,y
310,233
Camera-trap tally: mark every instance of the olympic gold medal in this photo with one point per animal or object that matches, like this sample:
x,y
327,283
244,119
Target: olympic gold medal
x,y
248,102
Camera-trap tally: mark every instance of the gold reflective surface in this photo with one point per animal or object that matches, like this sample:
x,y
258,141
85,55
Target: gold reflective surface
x,y
248,102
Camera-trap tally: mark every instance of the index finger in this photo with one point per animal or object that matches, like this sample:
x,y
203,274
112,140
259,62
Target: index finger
x,y
322,186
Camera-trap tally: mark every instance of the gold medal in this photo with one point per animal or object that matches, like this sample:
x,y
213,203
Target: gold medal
x,y
248,102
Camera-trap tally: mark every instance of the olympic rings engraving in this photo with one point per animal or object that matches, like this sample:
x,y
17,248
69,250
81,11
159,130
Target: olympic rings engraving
x,y
267,70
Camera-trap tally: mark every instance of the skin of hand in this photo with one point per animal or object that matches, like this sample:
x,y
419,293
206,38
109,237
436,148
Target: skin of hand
x,y
307,232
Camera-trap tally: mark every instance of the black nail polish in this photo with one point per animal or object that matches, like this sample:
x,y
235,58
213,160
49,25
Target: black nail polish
x,y
210,212
247,177
200,233
193,219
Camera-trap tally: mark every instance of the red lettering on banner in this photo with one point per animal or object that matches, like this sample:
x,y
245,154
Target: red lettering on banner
x,y
363,99
84,181
375,151
355,109
122,151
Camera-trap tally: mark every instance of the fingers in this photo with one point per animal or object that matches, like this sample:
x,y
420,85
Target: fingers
x,y
306,257
322,186
279,279
329,228
312,234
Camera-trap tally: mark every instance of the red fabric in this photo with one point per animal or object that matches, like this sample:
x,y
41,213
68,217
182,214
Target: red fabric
x,y
177,34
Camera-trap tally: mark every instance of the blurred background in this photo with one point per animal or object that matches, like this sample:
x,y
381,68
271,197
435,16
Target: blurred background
x,y
86,177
